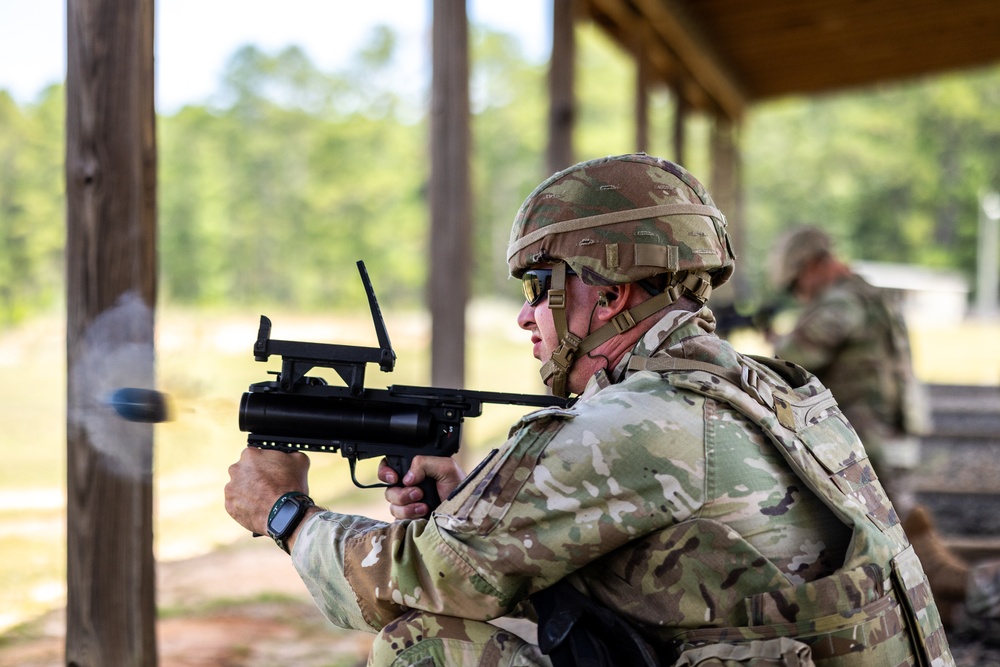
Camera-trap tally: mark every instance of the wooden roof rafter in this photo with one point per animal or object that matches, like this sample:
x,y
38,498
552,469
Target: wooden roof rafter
x,y
723,56
676,51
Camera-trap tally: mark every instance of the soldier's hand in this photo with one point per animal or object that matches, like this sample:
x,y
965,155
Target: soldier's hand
x,y
406,502
258,479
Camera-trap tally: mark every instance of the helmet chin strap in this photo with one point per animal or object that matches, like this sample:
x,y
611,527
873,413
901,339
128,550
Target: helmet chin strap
x,y
557,367
572,347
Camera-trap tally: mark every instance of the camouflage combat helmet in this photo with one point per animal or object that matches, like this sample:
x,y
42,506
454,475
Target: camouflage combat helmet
x,y
793,250
616,220
621,219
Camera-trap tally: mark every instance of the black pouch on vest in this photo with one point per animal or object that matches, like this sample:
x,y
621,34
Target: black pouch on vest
x,y
575,631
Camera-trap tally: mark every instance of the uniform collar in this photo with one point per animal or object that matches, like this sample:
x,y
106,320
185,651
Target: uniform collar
x,y
672,328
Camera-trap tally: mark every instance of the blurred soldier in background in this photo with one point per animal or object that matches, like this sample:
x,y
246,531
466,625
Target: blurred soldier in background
x,y
857,343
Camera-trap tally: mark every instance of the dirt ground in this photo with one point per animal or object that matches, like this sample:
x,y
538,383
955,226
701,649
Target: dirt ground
x,y
244,606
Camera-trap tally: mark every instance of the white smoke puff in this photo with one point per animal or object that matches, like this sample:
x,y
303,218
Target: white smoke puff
x,y
115,351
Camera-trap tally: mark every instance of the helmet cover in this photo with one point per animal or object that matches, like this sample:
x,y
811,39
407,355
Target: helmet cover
x,y
621,219
793,250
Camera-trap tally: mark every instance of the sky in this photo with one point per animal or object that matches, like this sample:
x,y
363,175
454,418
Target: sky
x,y
194,38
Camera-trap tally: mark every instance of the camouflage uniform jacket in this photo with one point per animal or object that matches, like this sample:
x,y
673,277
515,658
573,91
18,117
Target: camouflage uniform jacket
x,y
857,344
606,487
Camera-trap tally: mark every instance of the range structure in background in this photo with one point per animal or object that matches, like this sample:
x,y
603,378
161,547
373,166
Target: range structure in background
x,y
988,256
562,88
110,301
450,192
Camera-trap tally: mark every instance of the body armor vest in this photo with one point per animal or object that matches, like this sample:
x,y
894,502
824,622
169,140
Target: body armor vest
x,y
877,609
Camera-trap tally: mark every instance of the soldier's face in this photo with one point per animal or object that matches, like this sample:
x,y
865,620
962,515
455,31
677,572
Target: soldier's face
x,y
537,320
809,282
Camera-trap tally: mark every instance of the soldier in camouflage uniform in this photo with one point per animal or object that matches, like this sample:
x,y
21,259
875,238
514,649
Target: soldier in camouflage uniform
x,y
693,505
856,342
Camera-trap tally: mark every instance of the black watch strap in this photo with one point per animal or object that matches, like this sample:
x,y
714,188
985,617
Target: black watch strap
x,y
285,516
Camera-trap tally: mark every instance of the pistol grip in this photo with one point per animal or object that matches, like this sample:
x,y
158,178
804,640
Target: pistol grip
x,y
429,487
401,465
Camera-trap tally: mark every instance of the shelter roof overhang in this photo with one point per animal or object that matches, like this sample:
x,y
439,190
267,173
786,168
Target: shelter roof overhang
x,y
725,55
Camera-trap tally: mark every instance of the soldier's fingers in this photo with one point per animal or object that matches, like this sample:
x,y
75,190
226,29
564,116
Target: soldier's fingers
x,y
386,473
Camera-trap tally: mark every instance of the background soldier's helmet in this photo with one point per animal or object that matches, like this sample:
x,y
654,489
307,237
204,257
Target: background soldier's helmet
x,y
622,219
793,250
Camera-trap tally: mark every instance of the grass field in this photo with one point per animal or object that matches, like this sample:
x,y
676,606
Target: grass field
x,y
204,362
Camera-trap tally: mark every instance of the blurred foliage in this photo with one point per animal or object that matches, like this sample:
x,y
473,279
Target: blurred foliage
x,y
32,217
269,193
894,173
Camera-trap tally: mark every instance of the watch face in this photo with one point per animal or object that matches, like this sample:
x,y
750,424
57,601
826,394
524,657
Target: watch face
x,y
286,513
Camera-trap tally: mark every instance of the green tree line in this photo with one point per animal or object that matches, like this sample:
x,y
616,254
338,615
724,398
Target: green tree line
x,y
271,192
32,204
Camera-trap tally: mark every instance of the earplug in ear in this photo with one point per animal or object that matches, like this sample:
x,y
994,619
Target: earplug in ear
x,y
602,299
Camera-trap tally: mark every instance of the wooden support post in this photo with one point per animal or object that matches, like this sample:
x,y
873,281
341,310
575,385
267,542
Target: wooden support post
x,y
450,193
562,103
641,94
110,300
727,191
680,122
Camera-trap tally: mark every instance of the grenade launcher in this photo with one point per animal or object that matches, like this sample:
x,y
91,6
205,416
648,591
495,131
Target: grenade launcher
x,y
297,412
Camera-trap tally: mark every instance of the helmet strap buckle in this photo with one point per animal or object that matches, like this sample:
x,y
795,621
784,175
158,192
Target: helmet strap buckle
x,y
564,355
623,321
697,285
557,367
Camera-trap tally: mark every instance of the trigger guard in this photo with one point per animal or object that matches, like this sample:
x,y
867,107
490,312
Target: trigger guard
x,y
378,485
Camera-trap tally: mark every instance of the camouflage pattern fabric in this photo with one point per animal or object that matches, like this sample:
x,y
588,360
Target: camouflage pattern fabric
x,y
857,345
876,608
982,602
604,487
420,639
621,219
781,652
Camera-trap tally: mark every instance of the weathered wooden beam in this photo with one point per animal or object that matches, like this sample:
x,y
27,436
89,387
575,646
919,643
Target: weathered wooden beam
x,y
642,75
634,35
562,100
681,110
727,190
450,193
110,303
684,38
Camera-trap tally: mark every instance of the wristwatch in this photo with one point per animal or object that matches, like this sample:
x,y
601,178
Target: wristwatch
x,y
285,516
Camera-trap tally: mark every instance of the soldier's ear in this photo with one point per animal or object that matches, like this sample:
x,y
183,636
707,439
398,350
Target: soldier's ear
x,y
612,300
